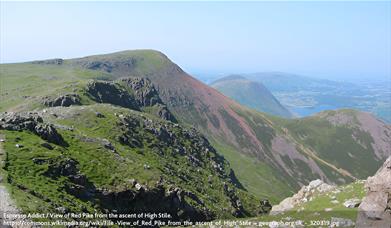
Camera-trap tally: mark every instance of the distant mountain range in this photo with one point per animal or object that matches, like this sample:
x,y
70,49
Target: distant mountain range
x,y
250,93
91,132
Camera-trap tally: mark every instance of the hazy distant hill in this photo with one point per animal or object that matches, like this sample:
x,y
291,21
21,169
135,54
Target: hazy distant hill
x,y
305,96
250,93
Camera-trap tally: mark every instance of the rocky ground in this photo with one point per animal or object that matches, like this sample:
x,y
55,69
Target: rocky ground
x,y
306,194
360,204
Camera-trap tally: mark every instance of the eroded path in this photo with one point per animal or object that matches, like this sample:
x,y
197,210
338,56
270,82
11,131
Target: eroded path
x,y
7,205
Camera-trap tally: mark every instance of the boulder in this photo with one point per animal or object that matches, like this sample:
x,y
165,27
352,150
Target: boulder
x,y
139,187
99,115
303,195
375,209
19,146
63,100
66,167
352,203
264,206
49,133
47,146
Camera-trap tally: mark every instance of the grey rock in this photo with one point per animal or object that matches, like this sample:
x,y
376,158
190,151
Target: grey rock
x,y
47,146
18,145
108,92
49,61
61,210
49,133
139,187
264,206
107,144
99,115
304,195
375,209
145,93
335,202
352,203
31,122
63,100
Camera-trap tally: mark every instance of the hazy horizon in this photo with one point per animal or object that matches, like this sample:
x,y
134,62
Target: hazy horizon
x,y
331,40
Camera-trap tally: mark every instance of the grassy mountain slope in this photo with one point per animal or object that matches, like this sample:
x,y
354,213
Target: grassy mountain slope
x,y
261,148
99,172
250,93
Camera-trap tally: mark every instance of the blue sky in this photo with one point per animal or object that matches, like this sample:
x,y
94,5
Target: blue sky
x,y
322,39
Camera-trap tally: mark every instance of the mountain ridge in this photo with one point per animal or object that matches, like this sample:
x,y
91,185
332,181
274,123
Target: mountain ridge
x,y
255,143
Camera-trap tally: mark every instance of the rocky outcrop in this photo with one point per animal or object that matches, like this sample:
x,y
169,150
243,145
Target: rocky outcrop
x,y
107,65
164,113
238,210
31,122
107,92
158,199
352,203
200,153
132,93
49,61
63,100
264,207
144,91
136,199
305,194
375,209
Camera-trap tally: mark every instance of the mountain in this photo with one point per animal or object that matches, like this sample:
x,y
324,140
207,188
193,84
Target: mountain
x,y
113,147
250,93
306,96
271,157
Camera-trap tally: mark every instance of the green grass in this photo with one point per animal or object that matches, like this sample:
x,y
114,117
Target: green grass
x,y
37,192
22,87
313,211
256,176
336,145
